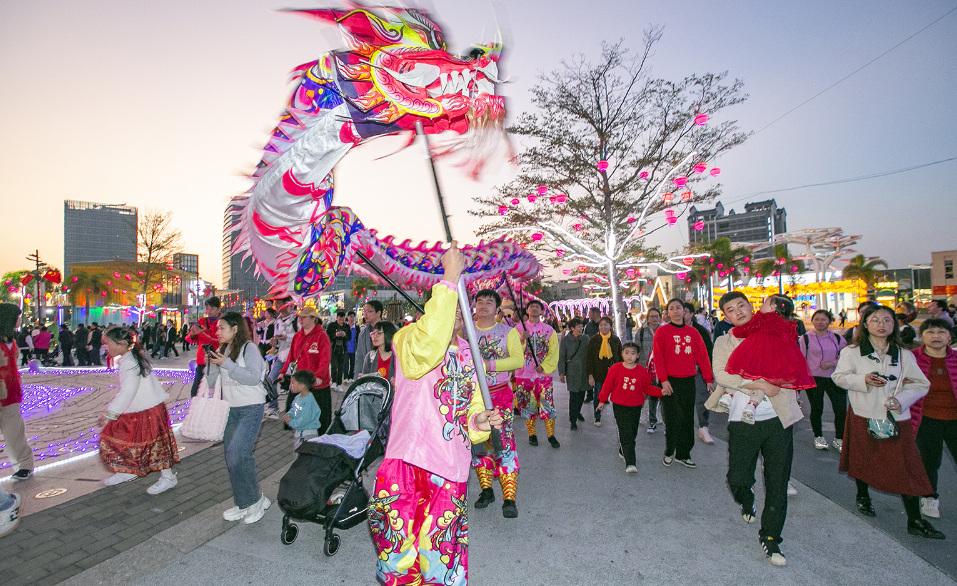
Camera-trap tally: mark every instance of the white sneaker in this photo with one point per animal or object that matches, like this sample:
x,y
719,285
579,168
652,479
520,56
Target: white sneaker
x,y
724,404
272,415
10,518
119,478
705,436
838,444
791,490
631,469
820,443
235,513
930,507
747,416
162,485
598,424
256,511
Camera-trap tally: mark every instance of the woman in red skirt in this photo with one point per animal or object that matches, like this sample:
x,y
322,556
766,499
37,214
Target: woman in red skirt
x,y
883,377
137,437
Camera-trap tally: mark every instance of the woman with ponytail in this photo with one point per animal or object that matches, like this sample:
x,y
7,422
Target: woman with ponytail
x,y
137,437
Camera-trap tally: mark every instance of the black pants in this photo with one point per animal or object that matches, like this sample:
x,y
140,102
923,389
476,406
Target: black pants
x,y
324,399
776,443
25,356
838,397
652,403
170,346
67,356
627,418
350,365
337,362
701,397
931,437
575,402
911,503
678,410
200,368
594,396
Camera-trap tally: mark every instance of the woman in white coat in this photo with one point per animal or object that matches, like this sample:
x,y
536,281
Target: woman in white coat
x,y
882,377
137,437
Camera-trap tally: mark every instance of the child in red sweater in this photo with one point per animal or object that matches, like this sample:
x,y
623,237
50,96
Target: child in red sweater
x,y
627,384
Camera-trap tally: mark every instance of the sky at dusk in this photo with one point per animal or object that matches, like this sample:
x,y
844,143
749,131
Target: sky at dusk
x,y
165,105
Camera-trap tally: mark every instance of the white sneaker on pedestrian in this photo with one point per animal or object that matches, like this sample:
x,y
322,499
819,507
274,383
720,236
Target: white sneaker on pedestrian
x,y
163,484
653,427
930,507
631,469
598,424
256,511
10,518
234,513
838,444
705,436
272,415
119,478
820,443
791,490
724,404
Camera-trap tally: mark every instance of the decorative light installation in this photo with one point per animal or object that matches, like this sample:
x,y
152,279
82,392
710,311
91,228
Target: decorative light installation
x,y
670,217
632,220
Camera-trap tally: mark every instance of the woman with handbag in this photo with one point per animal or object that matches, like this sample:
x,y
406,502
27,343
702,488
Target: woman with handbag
x,y
137,437
883,381
240,367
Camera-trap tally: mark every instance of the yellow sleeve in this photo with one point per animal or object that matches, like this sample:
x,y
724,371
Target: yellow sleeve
x,y
476,406
516,353
421,346
551,359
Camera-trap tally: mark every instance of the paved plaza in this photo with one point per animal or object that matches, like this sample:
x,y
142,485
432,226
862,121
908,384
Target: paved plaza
x,y
582,520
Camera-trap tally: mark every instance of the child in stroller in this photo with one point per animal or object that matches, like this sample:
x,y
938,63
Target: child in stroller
x,y
355,439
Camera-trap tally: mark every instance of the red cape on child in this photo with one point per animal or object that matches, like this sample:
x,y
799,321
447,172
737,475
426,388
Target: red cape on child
x,y
770,351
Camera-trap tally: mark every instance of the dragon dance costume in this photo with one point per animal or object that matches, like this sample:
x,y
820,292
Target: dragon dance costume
x,y
533,391
502,346
418,513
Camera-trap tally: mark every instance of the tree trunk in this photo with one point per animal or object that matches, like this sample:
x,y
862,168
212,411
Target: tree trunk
x,y
618,311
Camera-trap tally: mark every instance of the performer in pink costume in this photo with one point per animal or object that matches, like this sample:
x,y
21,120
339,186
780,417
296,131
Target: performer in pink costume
x,y
533,383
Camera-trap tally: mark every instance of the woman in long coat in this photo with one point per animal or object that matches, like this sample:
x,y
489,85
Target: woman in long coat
x,y
572,351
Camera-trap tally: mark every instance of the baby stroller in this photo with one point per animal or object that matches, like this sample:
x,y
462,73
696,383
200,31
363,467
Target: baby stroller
x,y
312,489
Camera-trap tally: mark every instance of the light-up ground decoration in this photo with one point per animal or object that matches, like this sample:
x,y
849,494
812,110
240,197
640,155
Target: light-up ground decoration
x,y
61,405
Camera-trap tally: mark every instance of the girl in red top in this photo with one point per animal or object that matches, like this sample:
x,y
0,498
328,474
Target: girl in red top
x,y
627,384
679,352
770,352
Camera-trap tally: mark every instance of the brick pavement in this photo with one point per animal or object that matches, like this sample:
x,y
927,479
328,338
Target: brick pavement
x,y
55,544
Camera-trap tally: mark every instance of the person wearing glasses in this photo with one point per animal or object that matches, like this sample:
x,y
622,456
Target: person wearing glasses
x,y
883,381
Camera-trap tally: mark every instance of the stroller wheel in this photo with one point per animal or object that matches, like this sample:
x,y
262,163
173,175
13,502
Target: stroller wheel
x,y
289,534
331,545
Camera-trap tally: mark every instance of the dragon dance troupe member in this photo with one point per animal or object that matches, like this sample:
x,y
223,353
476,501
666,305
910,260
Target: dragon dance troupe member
x,y
533,382
418,513
501,348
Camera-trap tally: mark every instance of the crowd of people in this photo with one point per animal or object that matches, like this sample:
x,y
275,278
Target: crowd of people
x,y
894,401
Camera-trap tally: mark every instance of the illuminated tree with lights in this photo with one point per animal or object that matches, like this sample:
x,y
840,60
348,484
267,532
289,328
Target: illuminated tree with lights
x,y
865,269
607,150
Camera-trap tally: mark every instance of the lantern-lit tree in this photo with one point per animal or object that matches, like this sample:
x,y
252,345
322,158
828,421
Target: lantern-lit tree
x,y
865,269
782,264
362,288
724,260
607,149
11,286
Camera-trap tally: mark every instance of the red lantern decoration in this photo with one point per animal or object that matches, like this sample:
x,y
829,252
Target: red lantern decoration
x,y
688,260
686,196
715,172
643,175
602,166
578,227
559,253
515,201
668,197
699,226
542,190
701,119
700,168
680,181
537,236
531,198
503,209
582,268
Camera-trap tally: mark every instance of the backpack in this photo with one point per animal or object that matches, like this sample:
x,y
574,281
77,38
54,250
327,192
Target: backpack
x,y
837,340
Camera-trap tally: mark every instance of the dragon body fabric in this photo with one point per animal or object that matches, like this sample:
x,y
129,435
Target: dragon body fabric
x,y
394,73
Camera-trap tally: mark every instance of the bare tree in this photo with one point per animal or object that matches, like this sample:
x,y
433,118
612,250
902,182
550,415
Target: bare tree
x,y
606,143
157,242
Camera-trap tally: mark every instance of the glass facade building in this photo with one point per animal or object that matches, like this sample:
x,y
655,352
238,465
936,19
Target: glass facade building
x,y
238,274
759,222
98,232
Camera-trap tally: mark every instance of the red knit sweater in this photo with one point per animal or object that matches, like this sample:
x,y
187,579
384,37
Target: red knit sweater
x,y
311,352
627,386
678,350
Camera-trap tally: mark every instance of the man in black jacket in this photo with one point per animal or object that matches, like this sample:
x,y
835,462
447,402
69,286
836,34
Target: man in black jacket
x,y
339,335
96,340
66,345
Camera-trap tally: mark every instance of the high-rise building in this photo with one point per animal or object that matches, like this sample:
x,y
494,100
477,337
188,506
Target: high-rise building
x,y
186,262
759,222
98,232
238,274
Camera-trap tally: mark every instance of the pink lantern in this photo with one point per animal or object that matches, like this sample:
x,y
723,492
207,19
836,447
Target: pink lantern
x,y
794,269
503,209
531,198
582,268
668,197
682,275
701,119
515,201
630,272
746,259
699,226
631,220
686,196
720,266
700,168
542,190
688,260
643,175
578,227
566,271
715,171
559,252
537,236
602,166
558,199
680,181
